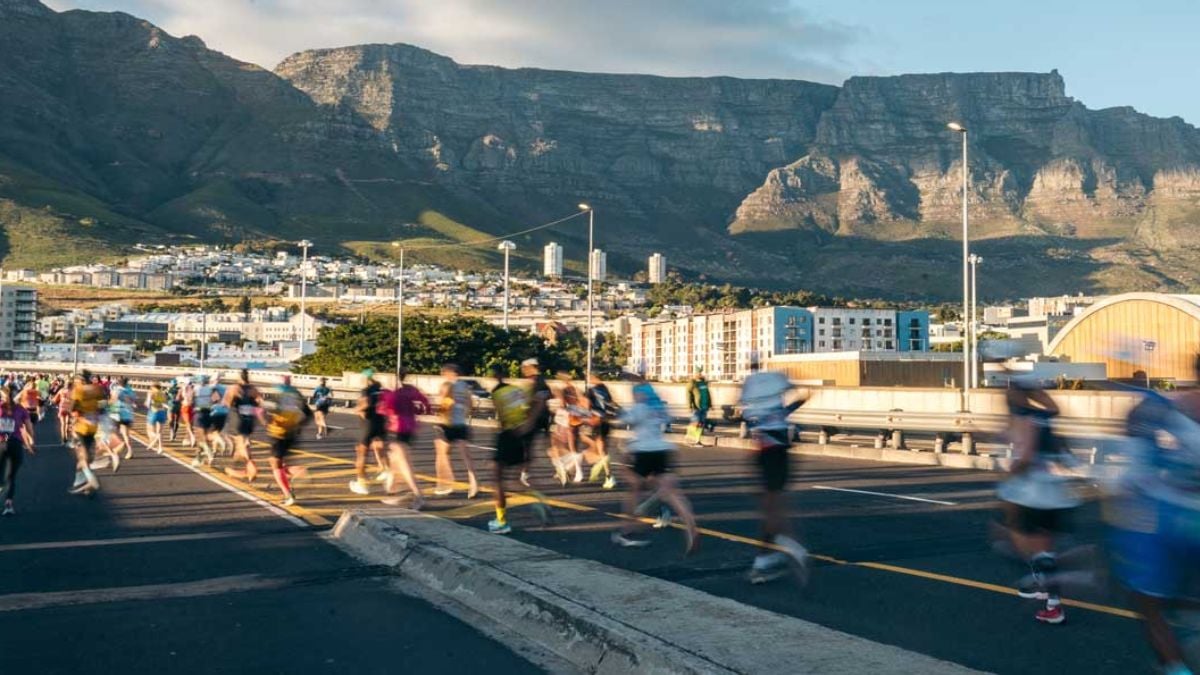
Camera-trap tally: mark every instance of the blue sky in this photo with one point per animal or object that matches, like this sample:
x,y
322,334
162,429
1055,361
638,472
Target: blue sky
x,y
1110,53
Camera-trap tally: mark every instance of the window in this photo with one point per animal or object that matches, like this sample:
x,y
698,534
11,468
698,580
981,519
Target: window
x,y
851,321
889,344
866,322
887,322
821,343
821,332
821,320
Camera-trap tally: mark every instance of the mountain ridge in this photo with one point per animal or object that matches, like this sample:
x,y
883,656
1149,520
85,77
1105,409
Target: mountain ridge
x,y
764,181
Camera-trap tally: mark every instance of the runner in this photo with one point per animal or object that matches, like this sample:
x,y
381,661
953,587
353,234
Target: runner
x,y
187,409
202,400
602,408
1152,515
87,401
1037,502
43,389
62,401
30,400
288,413
174,407
699,402
124,400
245,399
374,434
16,438
568,422
539,410
512,415
217,418
321,401
156,416
651,456
456,403
402,406
764,411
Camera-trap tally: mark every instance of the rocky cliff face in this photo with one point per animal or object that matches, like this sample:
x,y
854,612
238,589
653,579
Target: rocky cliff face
x,y
107,119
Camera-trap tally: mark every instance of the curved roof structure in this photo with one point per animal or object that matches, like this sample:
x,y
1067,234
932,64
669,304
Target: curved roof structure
x,y
1136,334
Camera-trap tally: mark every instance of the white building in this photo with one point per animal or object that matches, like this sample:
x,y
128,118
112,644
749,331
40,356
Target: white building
x,y
658,269
599,265
18,322
552,260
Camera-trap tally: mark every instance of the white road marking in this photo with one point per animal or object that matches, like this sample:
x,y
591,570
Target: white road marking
x,y
886,494
85,543
16,602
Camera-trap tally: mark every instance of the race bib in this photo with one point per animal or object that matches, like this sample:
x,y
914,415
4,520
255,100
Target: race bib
x,y
246,410
7,425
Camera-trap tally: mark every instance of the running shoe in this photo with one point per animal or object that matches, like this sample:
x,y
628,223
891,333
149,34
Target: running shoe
x,y
80,479
290,500
101,462
8,509
382,476
578,459
497,527
129,453
625,541
664,518
359,487
609,483
768,568
197,462
1033,587
1051,615
443,492
597,469
524,478
799,556
560,472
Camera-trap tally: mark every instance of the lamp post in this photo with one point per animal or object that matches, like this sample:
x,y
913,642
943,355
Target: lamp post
x,y
75,361
591,272
506,246
303,244
966,249
975,260
399,313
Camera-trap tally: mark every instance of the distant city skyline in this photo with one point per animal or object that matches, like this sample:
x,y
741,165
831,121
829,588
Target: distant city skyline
x,y
1109,53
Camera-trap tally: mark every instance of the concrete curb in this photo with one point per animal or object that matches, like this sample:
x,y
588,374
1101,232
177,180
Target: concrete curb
x,y
605,620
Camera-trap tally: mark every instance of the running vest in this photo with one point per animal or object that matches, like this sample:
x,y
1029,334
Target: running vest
x,y
287,414
245,401
86,401
512,405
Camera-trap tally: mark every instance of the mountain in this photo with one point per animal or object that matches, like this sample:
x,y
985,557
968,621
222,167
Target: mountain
x,y
114,132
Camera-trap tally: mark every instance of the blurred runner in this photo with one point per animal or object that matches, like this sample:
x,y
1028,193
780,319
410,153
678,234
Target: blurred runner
x,y
156,416
651,460
1154,517
202,400
765,413
245,399
62,402
374,434
187,410
30,400
174,407
539,411
16,438
321,401
1038,501
699,402
288,412
568,422
124,400
456,402
403,404
87,402
603,408
218,417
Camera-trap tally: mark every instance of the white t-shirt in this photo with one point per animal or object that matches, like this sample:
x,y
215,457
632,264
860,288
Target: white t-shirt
x,y
762,400
646,423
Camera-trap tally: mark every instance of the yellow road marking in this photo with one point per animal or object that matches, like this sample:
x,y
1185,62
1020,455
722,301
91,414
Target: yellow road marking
x,y
316,516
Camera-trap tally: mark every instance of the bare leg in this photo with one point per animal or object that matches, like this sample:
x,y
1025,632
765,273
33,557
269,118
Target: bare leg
x,y
445,472
1158,630
472,482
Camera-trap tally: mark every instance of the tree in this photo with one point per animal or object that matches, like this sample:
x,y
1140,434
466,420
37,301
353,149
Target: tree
x,y
244,305
213,305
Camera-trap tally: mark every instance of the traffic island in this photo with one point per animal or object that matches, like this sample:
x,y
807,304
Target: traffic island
x,y
602,619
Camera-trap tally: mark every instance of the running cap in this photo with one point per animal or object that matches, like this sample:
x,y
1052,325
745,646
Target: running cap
x,y
368,373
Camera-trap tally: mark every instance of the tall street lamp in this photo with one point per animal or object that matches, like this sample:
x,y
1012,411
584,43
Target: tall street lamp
x,y
399,313
591,273
506,246
975,260
303,244
966,250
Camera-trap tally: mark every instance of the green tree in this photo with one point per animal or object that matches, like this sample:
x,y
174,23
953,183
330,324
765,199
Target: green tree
x,y
244,305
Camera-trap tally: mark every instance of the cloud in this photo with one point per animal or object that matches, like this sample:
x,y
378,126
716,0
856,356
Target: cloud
x,y
745,38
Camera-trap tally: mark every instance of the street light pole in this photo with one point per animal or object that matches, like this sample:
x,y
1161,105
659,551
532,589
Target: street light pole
x,y
506,246
399,314
975,260
75,365
966,251
304,244
591,273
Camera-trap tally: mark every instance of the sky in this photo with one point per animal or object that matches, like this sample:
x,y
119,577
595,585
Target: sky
x,y
1110,52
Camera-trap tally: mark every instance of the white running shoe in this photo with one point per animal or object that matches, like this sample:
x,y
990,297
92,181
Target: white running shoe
x,y
392,500
798,554
129,453
497,527
359,487
197,462
524,478
289,501
8,509
382,476
625,541
664,518
609,483
443,492
101,462
80,479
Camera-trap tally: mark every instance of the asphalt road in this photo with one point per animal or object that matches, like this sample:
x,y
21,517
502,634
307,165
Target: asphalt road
x,y
166,572
916,574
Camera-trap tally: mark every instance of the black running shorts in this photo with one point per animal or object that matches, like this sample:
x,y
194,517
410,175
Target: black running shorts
x,y
511,449
454,432
774,465
280,447
245,425
646,464
374,429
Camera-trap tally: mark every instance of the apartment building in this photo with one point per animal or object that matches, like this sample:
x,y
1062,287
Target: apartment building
x,y
599,265
657,272
721,344
18,322
552,260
